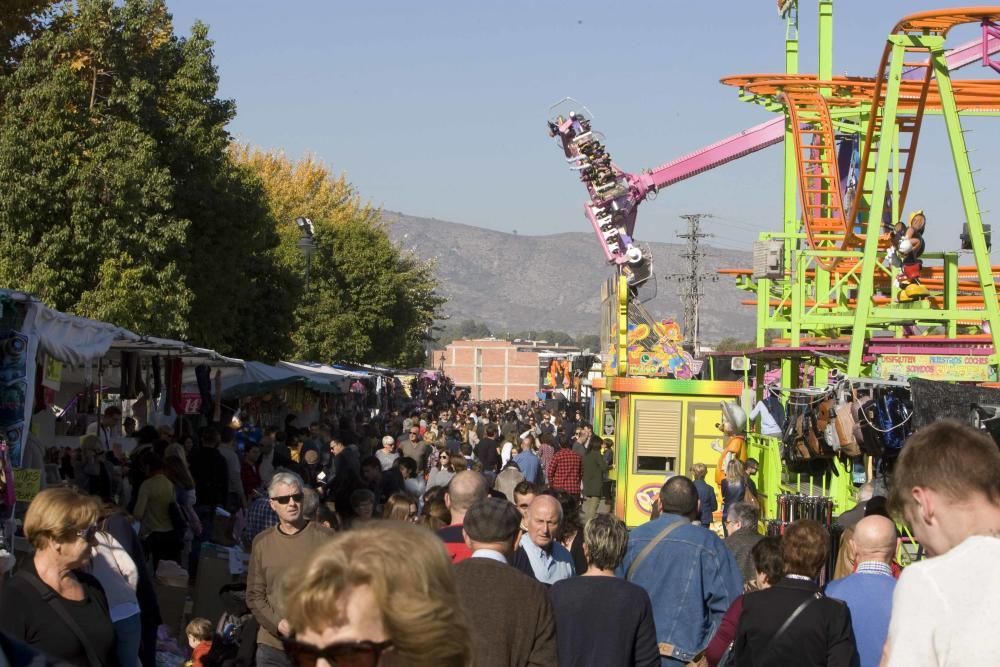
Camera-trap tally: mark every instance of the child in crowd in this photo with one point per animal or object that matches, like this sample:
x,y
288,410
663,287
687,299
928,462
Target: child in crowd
x,y
199,634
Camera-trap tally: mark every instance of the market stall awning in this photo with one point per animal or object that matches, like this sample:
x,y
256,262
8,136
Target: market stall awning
x,y
258,378
322,377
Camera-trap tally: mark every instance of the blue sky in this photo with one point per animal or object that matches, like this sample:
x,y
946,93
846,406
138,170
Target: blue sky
x,y
438,109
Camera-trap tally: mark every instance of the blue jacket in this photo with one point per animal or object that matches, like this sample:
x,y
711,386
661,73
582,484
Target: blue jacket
x,y
869,597
709,503
691,578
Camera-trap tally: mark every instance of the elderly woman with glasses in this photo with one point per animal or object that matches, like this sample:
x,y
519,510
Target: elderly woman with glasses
x,y
51,604
356,602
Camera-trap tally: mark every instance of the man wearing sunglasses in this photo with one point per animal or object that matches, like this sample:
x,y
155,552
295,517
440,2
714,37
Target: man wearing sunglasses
x,y
274,552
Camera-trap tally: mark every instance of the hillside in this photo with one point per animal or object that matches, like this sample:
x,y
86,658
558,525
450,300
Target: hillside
x,y
517,282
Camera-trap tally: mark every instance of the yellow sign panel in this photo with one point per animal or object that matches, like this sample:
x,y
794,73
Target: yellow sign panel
x,y
944,367
27,484
52,377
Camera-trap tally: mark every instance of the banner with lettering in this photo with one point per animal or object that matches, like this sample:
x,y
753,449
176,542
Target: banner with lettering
x,y
17,389
941,367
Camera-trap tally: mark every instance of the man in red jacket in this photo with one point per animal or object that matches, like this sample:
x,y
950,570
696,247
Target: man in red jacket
x,y
465,489
565,471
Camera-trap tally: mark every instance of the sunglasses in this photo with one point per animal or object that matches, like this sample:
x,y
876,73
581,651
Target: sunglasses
x,y
283,500
87,534
342,654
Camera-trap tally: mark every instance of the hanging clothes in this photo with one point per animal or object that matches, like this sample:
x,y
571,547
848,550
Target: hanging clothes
x,y
175,378
157,386
203,375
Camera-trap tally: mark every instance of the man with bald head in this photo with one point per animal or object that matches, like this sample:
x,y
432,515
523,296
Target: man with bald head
x,y
689,574
868,592
539,553
465,489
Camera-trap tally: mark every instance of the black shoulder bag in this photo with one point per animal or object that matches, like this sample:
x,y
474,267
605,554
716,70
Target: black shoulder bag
x,y
50,596
788,621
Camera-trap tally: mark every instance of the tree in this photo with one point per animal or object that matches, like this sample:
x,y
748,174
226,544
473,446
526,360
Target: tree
x,y
20,20
368,300
120,199
730,344
590,342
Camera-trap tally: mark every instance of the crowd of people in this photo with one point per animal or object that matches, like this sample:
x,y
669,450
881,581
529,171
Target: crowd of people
x,y
472,534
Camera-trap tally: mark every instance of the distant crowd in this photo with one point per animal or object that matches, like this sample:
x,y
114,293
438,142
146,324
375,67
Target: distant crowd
x,y
461,533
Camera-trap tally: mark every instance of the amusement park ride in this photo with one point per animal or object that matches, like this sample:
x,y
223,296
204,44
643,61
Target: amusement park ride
x,y
845,280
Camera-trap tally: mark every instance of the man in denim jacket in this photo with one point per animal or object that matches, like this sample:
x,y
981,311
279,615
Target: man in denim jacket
x,y
690,575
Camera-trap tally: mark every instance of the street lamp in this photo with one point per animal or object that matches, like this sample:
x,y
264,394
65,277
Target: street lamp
x,y
306,244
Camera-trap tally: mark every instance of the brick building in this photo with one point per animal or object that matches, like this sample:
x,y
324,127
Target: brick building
x,y
498,368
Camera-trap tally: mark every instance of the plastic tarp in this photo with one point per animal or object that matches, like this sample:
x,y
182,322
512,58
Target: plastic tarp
x,y
71,339
322,377
258,378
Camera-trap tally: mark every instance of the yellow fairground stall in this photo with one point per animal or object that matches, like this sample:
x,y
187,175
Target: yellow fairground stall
x,y
648,403
660,427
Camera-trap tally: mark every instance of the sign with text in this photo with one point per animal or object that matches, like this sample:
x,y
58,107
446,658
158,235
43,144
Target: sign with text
x,y
942,367
27,484
191,402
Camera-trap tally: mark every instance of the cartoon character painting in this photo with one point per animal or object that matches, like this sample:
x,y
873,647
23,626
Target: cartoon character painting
x,y
656,351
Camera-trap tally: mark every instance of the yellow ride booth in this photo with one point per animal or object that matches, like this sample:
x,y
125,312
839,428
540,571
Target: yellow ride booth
x,y
660,419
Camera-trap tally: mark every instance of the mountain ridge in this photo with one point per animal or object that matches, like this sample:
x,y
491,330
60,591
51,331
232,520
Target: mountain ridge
x,y
517,282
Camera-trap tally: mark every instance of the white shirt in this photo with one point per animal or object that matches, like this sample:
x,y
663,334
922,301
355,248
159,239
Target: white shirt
x,y
117,572
945,609
491,554
505,451
105,435
767,424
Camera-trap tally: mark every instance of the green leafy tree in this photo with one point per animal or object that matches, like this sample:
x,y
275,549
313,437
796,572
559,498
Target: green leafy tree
x,y
589,341
120,199
20,20
367,300
730,344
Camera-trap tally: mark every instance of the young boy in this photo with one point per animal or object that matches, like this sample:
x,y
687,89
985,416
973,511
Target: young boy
x,y
199,634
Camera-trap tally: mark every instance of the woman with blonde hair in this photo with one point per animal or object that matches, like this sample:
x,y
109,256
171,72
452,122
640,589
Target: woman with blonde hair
x,y
51,603
357,602
400,507
733,488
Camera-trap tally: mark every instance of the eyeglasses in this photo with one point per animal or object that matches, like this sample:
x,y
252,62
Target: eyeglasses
x,y
283,500
341,654
88,533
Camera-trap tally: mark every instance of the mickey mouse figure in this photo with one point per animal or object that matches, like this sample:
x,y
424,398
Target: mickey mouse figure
x,y
909,244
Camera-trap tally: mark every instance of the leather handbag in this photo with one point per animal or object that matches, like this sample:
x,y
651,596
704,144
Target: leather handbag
x,y
844,425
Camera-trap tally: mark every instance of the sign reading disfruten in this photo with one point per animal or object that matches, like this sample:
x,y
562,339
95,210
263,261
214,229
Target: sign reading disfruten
x,y
945,367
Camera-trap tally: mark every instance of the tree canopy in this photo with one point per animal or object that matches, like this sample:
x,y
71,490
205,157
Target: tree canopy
x,y
368,300
123,199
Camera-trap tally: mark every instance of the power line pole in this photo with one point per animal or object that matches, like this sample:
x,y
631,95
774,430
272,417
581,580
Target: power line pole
x,y
690,282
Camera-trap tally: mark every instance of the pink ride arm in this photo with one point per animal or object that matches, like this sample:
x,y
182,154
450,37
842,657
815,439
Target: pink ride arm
x,y
615,195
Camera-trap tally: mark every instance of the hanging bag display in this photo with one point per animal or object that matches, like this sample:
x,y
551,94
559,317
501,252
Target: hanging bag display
x,y
844,425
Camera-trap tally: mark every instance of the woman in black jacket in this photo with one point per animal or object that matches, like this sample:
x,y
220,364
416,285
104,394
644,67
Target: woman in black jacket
x,y
792,623
50,603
